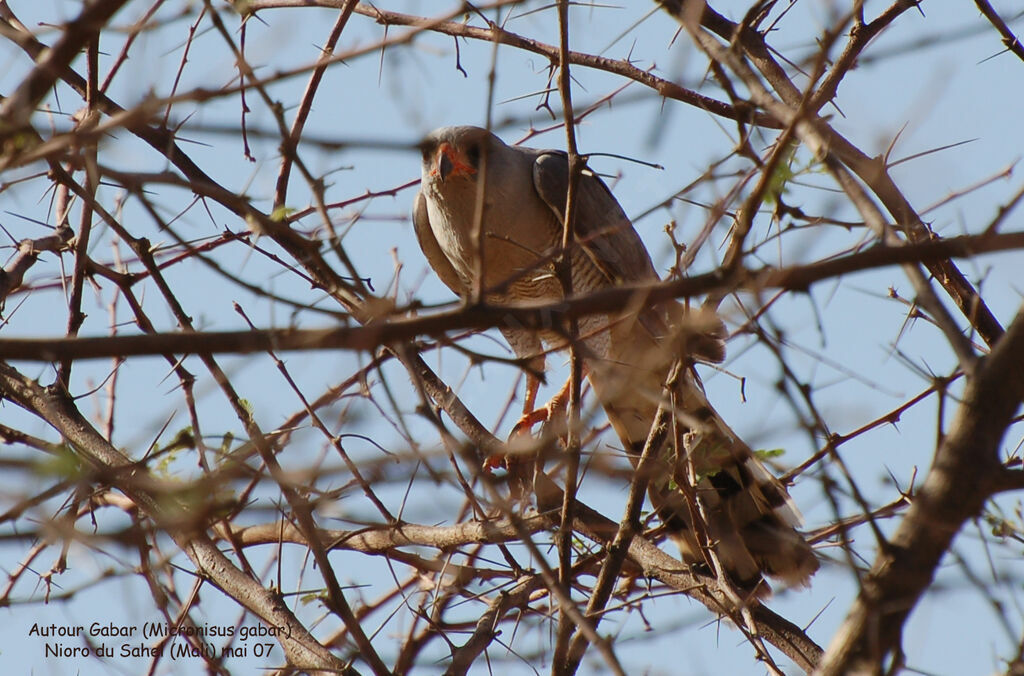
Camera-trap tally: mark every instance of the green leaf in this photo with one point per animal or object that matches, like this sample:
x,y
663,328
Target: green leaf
x,y
281,213
783,174
766,454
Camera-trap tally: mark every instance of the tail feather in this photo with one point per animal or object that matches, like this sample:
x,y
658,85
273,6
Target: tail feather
x,y
744,512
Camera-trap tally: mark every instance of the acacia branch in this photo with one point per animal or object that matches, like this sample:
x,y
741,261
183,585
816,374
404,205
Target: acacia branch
x,y
21,104
494,33
655,563
872,171
965,473
485,631
1009,40
117,469
541,315
13,275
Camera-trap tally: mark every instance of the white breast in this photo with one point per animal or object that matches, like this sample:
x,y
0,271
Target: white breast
x,y
453,239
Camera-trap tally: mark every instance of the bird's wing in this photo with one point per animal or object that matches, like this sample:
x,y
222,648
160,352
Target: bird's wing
x,y
601,227
432,250
748,512
603,231
609,240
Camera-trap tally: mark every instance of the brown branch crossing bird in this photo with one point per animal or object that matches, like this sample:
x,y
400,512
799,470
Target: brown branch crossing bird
x,y
737,510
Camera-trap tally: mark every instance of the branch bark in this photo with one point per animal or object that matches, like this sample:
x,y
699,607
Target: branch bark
x,y
377,333
117,469
965,473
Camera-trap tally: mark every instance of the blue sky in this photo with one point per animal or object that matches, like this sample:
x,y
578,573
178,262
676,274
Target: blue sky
x,y
935,78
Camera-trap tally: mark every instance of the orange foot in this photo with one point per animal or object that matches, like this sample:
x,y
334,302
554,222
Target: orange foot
x,y
531,416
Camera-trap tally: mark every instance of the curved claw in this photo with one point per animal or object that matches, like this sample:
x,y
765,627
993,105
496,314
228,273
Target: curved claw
x,y
495,461
524,426
528,420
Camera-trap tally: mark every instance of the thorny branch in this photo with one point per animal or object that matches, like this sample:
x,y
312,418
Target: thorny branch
x,y
469,572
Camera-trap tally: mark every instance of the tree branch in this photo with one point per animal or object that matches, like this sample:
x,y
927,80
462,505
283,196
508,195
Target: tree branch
x,y
965,473
382,332
301,648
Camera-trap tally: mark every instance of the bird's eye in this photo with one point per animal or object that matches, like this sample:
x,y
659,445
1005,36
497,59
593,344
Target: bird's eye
x,y
473,155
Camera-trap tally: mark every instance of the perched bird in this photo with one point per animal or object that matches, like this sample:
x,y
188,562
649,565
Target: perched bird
x,y
506,245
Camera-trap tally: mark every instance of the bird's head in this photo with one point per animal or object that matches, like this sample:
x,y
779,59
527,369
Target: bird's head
x,y
455,153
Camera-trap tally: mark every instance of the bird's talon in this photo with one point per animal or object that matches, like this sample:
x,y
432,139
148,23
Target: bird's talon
x,y
525,424
495,461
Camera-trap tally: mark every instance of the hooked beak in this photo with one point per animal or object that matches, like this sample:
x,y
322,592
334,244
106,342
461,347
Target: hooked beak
x,y
449,162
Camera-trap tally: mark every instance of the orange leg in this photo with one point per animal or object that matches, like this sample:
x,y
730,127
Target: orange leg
x,y
532,385
531,416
